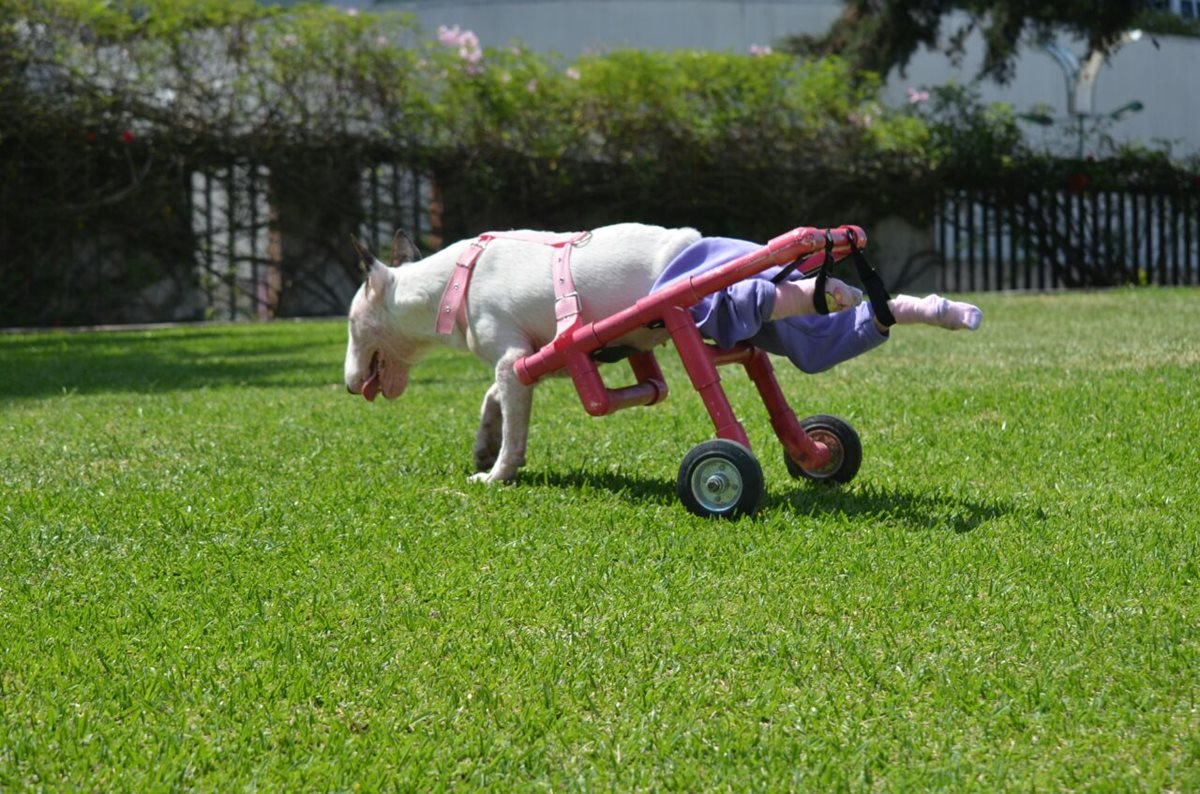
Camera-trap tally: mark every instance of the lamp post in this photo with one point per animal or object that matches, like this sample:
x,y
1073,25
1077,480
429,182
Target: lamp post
x,y
1080,79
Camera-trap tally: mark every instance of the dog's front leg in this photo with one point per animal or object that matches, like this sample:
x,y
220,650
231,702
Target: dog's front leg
x,y
516,401
487,440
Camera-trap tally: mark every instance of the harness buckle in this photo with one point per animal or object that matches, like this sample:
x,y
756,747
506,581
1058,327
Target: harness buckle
x,y
575,307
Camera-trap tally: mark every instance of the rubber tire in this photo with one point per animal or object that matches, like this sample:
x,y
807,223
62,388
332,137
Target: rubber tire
x,y
720,460
842,441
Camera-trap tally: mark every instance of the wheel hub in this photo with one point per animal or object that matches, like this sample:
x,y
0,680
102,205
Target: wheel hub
x,y
833,444
716,484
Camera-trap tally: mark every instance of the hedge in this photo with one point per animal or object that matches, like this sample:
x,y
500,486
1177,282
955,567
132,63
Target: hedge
x,y
106,108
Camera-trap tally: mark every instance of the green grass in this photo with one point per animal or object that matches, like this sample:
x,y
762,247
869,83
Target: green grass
x,y
218,571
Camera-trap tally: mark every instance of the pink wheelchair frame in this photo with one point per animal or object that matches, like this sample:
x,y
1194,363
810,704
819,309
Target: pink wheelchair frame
x,y
720,477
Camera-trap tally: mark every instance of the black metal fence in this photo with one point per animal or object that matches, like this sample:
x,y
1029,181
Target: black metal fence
x,y
236,258
129,234
267,246
996,239
237,238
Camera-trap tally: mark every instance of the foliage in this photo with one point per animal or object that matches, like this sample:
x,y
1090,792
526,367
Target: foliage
x,y
113,103
967,138
882,34
222,573
1167,23
730,143
109,110
216,74
229,72
967,134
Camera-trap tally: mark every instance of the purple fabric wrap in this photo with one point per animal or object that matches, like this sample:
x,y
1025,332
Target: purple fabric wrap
x,y
741,312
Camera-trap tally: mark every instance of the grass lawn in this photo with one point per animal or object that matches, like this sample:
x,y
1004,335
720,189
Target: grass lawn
x,y
219,571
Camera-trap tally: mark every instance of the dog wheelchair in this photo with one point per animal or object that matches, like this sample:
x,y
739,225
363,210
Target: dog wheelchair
x,y
720,477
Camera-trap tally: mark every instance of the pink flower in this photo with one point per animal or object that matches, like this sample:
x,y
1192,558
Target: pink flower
x,y
465,41
760,50
470,50
572,73
916,97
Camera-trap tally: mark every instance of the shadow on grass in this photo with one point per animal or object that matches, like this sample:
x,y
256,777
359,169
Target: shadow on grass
x,y
41,365
190,357
637,489
914,510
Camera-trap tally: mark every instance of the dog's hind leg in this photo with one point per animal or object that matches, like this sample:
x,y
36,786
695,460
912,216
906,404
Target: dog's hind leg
x,y
487,440
516,402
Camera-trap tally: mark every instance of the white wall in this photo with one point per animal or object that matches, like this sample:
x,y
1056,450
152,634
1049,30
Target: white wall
x,y
573,27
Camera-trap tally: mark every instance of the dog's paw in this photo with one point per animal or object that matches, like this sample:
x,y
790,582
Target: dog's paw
x,y
492,478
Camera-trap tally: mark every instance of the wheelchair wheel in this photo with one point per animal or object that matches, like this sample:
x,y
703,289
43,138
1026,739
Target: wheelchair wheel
x,y
845,450
721,479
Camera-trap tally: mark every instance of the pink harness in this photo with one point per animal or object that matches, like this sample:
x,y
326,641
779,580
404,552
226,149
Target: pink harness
x,y
452,310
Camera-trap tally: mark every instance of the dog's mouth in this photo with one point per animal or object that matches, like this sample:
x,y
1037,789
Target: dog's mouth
x,y
371,386
386,375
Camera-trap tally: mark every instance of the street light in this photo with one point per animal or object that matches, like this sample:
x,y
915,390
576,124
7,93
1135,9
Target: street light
x,y
1080,78
1128,109
1044,119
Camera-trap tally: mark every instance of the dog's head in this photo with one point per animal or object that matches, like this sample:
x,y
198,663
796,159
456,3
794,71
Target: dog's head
x,y
378,355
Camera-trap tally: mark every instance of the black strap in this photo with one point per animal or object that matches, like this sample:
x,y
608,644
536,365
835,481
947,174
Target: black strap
x,y
819,302
870,279
876,291
788,270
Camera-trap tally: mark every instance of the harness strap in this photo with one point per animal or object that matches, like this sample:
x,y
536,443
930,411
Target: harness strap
x,y
876,290
819,302
567,307
454,296
452,309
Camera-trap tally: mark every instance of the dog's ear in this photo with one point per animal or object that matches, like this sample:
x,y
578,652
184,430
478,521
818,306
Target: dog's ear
x,y
375,273
404,249
365,258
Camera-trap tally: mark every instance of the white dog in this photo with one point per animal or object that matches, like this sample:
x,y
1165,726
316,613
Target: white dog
x,y
509,313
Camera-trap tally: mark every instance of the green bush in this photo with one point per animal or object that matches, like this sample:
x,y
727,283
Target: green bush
x,y
106,108
109,107
232,75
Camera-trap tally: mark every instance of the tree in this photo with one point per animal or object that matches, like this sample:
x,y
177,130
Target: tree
x,y
881,34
